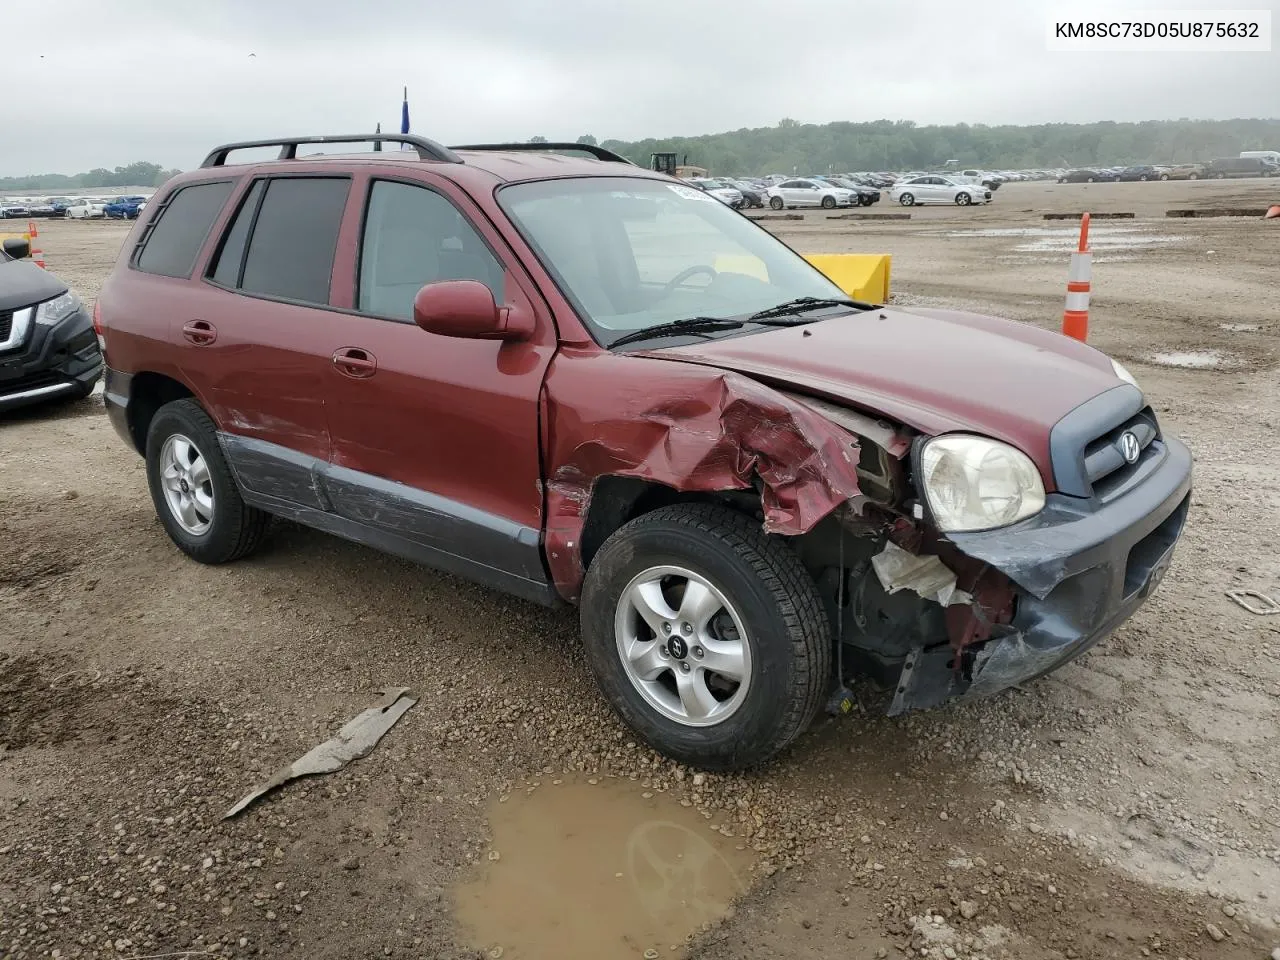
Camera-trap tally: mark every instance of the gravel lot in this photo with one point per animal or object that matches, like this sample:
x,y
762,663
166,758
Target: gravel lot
x,y
1126,806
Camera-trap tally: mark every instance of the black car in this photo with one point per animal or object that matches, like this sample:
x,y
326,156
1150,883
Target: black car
x,y
1085,176
1241,167
48,347
866,195
1140,171
752,196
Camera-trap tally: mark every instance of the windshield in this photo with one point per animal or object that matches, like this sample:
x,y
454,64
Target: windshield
x,y
632,253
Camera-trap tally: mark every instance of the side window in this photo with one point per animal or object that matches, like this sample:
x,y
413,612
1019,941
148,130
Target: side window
x,y
173,240
413,236
295,234
230,257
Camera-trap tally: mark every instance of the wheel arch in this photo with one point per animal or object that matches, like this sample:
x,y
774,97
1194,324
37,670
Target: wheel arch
x,y
617,500
148,392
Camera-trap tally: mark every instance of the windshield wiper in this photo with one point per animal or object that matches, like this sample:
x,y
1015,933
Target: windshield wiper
x,y
801,304
687,325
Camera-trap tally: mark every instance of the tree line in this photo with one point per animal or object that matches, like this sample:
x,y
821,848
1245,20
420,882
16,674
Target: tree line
x,y
791,146
139,174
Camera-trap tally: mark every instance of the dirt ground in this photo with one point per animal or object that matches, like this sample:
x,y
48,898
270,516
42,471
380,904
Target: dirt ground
x,y
1126,806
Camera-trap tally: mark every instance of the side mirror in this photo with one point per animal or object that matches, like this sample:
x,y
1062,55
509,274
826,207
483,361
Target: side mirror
x,y
17,248
465,308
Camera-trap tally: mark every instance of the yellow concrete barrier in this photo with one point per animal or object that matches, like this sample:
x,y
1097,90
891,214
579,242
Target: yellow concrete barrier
x,y
863,276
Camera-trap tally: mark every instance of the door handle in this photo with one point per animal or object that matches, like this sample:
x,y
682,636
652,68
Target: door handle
x,y
200,332
355,362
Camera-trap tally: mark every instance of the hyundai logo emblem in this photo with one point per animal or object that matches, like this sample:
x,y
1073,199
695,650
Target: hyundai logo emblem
x,y
1129,448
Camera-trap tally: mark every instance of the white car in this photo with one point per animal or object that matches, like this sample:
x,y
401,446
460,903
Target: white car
x,y
809,193
723,192
86,208
935,189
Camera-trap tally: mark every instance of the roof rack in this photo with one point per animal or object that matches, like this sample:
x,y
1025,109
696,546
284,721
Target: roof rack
x,y
600,153
427,149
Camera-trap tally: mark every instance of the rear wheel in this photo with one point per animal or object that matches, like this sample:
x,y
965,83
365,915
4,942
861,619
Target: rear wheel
x,y
1193,176
706,635
1090,180
194,493
776,203
906,199
828,203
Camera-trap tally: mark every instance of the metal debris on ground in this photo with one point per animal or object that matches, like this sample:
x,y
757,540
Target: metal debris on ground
x,y
1219,212
356,739
1255,602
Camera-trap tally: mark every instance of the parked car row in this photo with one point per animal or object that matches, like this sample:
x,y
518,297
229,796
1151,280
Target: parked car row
x,y
74,208
1219,169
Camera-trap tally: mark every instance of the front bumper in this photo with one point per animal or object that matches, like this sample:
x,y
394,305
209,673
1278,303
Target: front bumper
x,y
60,361
1079,573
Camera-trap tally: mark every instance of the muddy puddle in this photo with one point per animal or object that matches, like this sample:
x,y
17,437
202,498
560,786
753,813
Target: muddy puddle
x,y
601,870
1065,239
1194,360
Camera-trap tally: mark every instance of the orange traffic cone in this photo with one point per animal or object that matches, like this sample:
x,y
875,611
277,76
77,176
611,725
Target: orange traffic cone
x,y
1075,318
1272,213
32,232
38,256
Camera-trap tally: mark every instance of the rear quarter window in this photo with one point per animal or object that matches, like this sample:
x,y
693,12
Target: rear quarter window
x,y
174,238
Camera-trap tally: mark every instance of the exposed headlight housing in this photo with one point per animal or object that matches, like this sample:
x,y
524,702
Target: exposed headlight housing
x,y
975,483
52,312
1123,374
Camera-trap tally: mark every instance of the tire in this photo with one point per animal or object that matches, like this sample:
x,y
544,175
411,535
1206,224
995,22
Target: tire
x,y
1089,180
1164,176
1221,176
828,203
776,203
232,528
1193,176
963,199
907,200
865,201
765,589
1143,178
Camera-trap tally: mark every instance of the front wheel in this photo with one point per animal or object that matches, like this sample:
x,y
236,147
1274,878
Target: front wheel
x,y
1090,180
828,203
776,203
194,493
906,200
963,199
706,635
1193,176
1164,176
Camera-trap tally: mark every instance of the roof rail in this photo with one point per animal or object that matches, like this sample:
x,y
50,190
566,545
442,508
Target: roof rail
x,y
427,149
600,153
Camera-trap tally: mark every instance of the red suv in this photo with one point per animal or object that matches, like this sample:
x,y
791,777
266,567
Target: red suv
x,y
579,381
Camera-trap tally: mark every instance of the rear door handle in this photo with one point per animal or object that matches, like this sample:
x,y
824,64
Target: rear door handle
x,y
200,332
355,362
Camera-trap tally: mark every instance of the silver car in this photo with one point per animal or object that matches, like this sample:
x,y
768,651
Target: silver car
x,y
809,193
932,188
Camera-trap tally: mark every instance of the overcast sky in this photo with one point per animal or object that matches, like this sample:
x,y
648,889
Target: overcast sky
x,y
106,82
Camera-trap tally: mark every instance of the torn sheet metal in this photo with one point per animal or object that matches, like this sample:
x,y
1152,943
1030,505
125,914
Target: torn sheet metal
x,y
689,427
356,739
926,575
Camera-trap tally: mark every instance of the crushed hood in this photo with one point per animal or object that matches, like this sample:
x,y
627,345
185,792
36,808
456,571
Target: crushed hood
x,y
938,371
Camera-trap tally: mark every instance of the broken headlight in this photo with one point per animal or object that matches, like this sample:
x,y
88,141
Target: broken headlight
x,y
972,483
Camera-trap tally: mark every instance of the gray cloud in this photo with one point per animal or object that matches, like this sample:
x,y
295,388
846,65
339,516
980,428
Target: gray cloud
x,y
107,83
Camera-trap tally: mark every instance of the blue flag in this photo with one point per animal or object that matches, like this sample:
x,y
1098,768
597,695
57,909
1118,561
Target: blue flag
x,y
404,118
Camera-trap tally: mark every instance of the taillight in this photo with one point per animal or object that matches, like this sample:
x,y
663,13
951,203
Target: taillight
x,y
97,325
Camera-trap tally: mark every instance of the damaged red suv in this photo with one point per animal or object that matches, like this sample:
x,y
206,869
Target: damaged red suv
x,y
579,381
